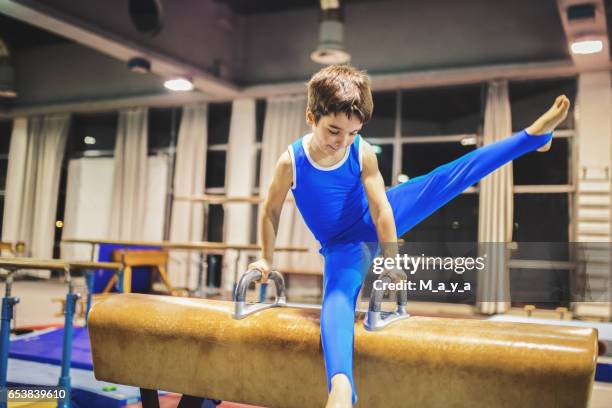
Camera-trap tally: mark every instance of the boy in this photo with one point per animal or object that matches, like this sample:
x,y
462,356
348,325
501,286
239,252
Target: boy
x,y
333,174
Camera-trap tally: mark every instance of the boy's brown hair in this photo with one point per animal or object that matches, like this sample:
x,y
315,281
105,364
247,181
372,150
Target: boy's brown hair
x,y
340,88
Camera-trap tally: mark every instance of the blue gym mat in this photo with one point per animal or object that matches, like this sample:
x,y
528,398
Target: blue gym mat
x,y
46,347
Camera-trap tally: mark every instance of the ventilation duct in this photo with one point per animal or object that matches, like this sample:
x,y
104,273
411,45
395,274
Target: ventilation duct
x,y
331,35
7,74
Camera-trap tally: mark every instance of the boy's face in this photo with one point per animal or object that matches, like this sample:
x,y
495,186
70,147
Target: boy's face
x,y
334,132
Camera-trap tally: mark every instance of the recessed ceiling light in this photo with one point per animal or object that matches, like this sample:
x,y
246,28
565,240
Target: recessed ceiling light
x,y
587,46
139,65
90,140
179,84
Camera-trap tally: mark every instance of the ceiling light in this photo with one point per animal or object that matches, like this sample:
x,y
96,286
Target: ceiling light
x,y
586,46
179,84
89,140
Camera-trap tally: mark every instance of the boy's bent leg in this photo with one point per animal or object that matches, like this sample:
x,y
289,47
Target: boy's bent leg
x,y
343,277
415,199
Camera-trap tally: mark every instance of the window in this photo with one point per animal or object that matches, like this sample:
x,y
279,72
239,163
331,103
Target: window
x,y
163,127
219,116
442,111
384,154
5,136
541,217
214,233
381,132
260,117
257,170
421,158
3,171
549,288
439,125
529,99
92,134
543,192
457,221
552,167
215,169
6,128
59,211
216,215
384,117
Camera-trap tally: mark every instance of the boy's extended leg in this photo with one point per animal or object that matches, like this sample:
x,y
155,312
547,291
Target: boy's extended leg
x,y
415,199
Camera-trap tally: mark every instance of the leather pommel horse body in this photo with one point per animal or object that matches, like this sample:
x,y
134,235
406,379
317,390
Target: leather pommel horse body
x,y
273,358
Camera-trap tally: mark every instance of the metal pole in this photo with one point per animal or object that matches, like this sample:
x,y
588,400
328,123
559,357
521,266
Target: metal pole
x,y
64,380
8,302
89,280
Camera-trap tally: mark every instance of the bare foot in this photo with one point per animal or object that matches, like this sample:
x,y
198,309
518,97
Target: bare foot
x,y
341,394
550,120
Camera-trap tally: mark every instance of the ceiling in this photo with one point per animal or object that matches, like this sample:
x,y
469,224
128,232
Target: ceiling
x,y
21,36
248,43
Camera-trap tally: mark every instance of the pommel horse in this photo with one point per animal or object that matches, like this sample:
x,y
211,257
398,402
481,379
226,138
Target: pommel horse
x,y
270,355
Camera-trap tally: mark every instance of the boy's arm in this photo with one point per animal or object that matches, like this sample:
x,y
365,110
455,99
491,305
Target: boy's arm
x,y
380,209
271,211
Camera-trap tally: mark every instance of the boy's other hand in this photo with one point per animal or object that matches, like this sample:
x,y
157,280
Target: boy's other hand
x,y
262,266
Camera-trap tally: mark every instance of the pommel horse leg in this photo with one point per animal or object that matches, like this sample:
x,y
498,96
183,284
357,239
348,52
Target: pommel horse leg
x,y
150,399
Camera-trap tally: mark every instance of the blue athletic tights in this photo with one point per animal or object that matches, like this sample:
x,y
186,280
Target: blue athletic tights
x,y
346,263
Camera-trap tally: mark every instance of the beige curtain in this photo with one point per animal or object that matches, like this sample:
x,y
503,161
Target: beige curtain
x,y
35,159
130,176
187,221
495,209
284,123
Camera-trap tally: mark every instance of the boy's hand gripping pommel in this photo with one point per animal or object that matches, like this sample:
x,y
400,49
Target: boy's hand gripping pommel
x,y
262,266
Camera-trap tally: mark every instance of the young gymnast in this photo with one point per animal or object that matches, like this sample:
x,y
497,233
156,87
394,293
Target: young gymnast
x,y
334,177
